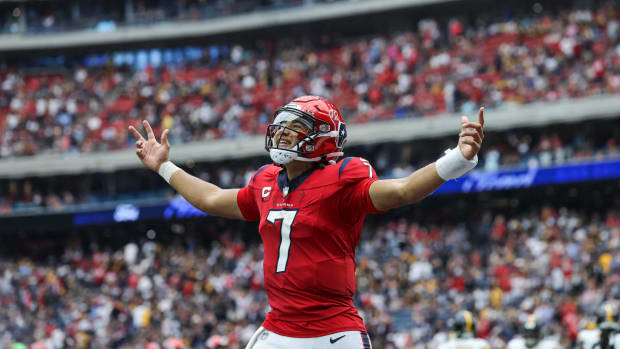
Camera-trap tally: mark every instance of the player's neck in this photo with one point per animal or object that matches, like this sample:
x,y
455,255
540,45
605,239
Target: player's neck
x,y
295,168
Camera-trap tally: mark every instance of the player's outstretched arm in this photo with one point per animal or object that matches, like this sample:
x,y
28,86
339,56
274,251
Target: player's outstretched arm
x,y
203,195
391,193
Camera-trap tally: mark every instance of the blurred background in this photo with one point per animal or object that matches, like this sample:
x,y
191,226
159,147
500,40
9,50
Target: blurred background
x,y
98,252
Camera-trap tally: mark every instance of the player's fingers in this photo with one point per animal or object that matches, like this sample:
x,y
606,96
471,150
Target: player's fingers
x,y
139,143
140,153
164,138
149,130
467,139
468,132
481,116
135,133
472,133
464,120
470,141
474,126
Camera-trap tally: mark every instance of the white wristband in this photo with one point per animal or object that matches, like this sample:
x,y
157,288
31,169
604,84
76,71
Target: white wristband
x,y
454,164
167,169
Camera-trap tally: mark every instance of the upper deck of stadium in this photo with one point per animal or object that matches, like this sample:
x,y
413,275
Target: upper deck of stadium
x,y
410,79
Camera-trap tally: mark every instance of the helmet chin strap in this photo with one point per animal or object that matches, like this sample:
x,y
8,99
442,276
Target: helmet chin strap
x,y
282,156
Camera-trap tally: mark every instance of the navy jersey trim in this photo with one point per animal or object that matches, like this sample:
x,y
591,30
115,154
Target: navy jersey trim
x,y
283,181
344,164
365,340
259,171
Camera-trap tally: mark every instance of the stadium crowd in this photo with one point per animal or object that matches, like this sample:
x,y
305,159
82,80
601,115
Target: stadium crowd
x,y
555,145
44,18
230,90
413,274
412,277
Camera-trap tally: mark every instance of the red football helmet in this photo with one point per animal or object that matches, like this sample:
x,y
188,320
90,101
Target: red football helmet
x,y
318,126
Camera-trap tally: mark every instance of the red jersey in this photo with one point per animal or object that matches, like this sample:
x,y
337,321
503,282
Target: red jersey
x,y
310,227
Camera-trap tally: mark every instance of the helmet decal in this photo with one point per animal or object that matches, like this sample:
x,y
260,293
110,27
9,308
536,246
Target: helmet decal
x,y
293,105
333,114
342,135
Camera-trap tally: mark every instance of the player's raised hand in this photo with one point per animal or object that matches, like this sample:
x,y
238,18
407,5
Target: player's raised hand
x,y
471,136
151,153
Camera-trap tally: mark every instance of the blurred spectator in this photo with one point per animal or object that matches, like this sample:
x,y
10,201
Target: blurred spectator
x,y
411,279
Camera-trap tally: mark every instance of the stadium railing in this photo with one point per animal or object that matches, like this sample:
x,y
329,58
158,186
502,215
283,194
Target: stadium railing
x,y
167,209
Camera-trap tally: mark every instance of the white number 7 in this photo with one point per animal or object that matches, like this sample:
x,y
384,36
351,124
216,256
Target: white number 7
x,y
288,218
366,163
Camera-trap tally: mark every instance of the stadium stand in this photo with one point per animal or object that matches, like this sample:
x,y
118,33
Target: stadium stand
x,y
520,148
229,91
100,256
413,274
35,18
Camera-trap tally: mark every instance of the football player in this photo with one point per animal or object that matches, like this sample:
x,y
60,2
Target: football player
x,y
464,333
532,337
588,336
607,323
311,207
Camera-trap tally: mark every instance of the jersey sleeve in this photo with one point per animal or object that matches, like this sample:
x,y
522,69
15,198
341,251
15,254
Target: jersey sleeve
x,y
247,198
247,204
356,175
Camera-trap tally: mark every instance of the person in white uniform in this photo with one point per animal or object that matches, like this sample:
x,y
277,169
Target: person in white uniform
x,y
531,337
464,333
588,336
607,323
